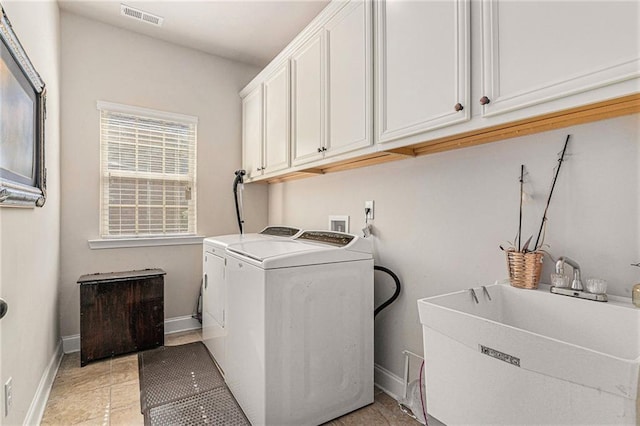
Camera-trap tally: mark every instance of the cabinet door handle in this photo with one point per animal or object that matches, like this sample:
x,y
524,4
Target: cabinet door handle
x,y
264,168
259,169
458,107
484,100
4,307
319,149
206,281
324,148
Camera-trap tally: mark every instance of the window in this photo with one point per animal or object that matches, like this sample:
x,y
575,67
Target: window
x,y
148,172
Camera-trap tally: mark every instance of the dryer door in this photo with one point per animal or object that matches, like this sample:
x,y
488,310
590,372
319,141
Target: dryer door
x,y
214,306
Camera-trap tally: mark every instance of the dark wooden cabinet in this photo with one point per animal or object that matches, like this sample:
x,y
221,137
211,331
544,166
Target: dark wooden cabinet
x,y
120,312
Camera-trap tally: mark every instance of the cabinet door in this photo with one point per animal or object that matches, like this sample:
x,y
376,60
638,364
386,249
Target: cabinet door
x,y
214,306
534,52
252,132
276,120
422,55
307,105
349,83
118,317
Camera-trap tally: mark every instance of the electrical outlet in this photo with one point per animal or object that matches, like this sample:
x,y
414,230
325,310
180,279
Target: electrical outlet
x,y
8,395
369,213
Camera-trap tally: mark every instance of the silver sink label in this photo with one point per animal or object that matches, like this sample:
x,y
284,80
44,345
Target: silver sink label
x,y
500,355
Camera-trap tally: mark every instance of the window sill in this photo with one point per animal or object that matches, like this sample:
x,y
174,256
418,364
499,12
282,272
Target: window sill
x,y
110,243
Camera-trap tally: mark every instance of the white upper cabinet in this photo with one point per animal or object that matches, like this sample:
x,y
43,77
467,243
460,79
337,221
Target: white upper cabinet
x,y
349,78
307,105
252,132
534,52
443,69
276,120
331,85
422,63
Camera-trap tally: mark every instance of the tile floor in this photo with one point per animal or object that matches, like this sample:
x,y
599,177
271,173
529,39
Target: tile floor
x,y
108,393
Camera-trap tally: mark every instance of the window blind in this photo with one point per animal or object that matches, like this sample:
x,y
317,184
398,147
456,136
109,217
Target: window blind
x,y
148,163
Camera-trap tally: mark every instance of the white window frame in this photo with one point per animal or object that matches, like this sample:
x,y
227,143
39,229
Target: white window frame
x,y
145,240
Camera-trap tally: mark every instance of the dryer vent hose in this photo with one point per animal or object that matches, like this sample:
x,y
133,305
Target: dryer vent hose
x,y
237,186
395,294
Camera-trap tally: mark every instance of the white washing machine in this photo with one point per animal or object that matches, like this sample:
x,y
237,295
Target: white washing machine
x,y
214,288
300,327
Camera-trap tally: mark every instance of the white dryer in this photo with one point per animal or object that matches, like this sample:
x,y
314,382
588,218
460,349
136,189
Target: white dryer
x,y
300,327
214,288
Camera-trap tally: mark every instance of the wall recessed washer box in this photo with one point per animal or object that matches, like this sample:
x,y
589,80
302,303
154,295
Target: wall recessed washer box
x,y
339,223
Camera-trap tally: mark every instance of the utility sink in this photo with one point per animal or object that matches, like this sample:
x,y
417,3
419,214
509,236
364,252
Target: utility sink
x,y
530,356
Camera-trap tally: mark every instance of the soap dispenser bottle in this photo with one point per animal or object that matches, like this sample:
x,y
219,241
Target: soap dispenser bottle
x,y
635,292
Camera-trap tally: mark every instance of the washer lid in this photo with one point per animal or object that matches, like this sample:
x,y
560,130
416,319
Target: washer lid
x,y
272,254
268,233
223,241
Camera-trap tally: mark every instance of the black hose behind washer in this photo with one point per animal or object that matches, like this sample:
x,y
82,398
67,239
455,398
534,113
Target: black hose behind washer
x,y
395,294
238,180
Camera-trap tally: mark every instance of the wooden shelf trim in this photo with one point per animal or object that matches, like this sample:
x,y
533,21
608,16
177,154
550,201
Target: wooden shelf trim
x,y
580,115
542,123
404,152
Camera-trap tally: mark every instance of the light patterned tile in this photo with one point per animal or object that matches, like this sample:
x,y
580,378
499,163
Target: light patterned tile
x,y
98,421
397,418
129,358
385,401
114,387
368,415
78,384
125,395
384,411
390,409
69,361
124,369
70,367
77,407
128,416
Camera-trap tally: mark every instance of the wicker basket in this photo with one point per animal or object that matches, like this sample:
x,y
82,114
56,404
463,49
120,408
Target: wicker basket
x,y
524,268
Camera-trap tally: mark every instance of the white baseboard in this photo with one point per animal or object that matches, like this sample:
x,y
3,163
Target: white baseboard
x,y
172,325
71,343
39,402
388,382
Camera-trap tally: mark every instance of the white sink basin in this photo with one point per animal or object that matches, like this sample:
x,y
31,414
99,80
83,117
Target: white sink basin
x,y
529,356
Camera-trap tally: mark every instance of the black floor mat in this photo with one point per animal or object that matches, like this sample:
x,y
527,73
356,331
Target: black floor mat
x,y
214,407
180,385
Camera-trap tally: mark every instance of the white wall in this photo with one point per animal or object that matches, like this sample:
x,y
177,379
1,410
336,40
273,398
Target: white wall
x,y
29,238
439,219
101,62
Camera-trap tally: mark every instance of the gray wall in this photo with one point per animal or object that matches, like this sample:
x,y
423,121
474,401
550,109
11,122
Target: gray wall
x,y
439,219
29,238
101,62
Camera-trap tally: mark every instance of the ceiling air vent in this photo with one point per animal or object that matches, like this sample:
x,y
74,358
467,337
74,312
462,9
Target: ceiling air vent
x,y
140,15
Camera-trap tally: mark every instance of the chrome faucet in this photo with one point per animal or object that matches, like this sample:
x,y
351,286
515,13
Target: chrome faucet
x,y
576,284
576,289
